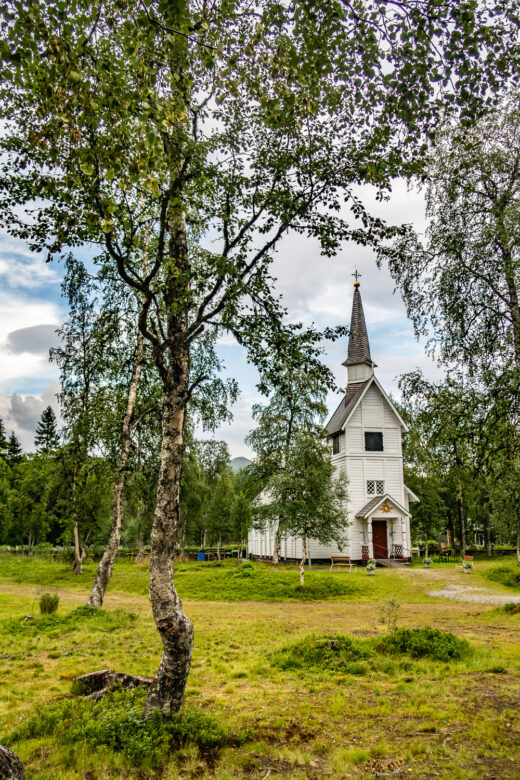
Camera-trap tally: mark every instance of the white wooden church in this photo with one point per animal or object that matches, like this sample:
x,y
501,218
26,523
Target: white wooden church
x,y
364,435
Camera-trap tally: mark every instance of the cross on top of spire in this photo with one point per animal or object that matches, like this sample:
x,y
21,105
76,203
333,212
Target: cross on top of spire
x,y
357,276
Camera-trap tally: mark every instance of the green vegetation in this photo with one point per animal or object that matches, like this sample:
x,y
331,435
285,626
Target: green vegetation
x,y
117,722
337,652
49,603
209,581
243,713
425,643
82,617
326,652
507,574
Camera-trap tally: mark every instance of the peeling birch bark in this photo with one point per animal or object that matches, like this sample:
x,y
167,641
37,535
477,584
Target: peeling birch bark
x,y
106,564
277,543
304,558
11,768
175,628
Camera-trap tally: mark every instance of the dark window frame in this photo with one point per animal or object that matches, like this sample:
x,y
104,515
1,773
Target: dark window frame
x,y
336,443
375,440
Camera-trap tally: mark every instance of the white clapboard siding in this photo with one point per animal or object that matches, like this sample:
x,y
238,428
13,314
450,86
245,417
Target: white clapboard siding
x,y
373,413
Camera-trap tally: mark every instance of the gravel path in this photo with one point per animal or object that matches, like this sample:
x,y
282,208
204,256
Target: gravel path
x,y
477,595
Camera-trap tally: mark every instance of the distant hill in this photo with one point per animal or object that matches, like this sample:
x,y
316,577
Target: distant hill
x,y
239,463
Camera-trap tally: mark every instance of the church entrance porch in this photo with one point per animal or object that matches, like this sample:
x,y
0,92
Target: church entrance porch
x,y
380,539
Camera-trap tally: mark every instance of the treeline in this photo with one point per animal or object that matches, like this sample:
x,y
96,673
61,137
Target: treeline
x,y
36,495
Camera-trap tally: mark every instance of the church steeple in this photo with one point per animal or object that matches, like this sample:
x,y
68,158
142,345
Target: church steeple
x,y
359,361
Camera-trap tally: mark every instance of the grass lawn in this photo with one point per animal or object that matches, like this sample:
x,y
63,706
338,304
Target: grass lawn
x,y
381,713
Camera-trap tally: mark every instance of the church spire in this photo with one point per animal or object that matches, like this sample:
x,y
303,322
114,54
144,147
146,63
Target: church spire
x,y
359,361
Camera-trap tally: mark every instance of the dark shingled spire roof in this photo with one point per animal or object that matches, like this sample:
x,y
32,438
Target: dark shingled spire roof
x,y
358,346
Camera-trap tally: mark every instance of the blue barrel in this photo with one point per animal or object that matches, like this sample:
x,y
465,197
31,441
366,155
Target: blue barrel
x,y
201,556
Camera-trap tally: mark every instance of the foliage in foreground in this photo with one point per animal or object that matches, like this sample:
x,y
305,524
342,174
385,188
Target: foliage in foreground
x,y
341,653
506,574
117,722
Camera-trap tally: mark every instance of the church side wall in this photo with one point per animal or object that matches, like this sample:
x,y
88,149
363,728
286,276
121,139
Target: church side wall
x,y
374,413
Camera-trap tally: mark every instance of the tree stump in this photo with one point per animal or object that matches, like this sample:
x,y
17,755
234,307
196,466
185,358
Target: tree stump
x,y
96,684
10,766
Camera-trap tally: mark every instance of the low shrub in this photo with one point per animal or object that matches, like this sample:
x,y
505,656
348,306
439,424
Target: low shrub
x,y
334,652
117,721
425,643
512,608
507,574
49,603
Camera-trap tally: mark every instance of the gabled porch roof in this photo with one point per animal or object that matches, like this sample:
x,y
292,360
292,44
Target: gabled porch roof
x,y
374,504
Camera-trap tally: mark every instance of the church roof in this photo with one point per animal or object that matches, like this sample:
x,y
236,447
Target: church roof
x,y
374,503
358,345
347,403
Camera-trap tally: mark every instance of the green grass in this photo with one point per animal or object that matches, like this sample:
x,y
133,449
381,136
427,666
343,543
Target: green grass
x,y
84,617
367,713
213,581
507,574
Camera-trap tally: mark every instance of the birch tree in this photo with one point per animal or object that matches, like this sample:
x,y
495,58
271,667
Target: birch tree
x,y
311,495
185,121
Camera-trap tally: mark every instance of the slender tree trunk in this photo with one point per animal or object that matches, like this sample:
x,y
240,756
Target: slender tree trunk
x,y
219,542
79,554
175,628
426,549
106,564
277,543
518,542
304,558
462,521
182,552
204,538
486,522
140,545
239,553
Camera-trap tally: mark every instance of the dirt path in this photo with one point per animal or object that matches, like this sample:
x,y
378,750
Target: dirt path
x,y
474,594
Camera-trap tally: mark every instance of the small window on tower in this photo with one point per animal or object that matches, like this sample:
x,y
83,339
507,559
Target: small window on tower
x,y
373,441
375,487
335,443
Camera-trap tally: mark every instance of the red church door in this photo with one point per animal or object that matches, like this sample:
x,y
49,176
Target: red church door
x,y
379,539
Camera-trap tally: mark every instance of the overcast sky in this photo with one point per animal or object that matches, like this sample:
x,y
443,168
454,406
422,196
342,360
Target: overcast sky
x,y
315,289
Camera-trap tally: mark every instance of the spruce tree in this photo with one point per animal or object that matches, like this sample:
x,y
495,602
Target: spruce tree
x,y
14,449
3,439
46,438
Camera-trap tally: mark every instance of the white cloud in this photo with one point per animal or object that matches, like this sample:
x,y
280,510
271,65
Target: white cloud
x,y
21,268
20,413
18,312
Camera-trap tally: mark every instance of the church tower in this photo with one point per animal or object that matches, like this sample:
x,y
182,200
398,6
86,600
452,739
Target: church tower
x,y
359,362
365,438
